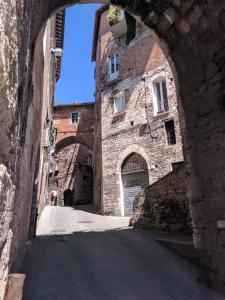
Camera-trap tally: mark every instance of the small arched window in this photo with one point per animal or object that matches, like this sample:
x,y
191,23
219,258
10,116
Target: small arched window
x,y
160,96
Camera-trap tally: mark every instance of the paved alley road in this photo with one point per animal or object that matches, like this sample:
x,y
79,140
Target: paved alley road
x,y
80,255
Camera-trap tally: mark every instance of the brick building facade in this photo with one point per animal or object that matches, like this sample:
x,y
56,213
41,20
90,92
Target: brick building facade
x,y
136,114
71,166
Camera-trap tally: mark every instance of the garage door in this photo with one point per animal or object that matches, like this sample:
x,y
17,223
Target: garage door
x,y
134,172
132,185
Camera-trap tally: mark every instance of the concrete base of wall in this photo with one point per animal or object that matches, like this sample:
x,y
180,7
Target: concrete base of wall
x,y
182,248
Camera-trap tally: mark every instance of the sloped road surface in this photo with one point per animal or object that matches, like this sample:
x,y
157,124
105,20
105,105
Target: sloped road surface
x,y
79,255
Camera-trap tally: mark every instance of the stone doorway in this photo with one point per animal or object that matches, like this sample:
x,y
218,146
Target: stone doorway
x,y
68,197
135,177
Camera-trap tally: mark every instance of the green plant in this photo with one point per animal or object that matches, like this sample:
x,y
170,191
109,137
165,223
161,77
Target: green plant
x,y
114,15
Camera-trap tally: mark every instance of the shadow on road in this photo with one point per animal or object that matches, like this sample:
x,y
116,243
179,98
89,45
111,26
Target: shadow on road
x,y
115,264
87,208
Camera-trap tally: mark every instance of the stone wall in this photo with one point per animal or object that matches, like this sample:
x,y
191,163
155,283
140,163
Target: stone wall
x,y
97,156
21,179
137,128
34,144
6,208
164,205
8,132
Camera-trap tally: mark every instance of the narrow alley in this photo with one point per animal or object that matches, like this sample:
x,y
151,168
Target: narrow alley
x,y
112,168
82,255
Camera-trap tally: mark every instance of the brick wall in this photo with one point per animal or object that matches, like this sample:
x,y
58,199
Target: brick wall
x,y
83,130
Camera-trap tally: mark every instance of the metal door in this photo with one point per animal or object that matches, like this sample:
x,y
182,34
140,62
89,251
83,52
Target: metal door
x,y
132,185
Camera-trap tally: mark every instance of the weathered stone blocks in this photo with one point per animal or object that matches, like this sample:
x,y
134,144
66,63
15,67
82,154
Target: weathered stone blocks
x,y
164,205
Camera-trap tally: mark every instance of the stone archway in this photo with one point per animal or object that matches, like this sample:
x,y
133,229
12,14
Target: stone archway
x,y
130,149
135,148
192,37
134,176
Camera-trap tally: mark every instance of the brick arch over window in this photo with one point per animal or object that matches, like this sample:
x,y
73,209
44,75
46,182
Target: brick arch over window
x,y
191,34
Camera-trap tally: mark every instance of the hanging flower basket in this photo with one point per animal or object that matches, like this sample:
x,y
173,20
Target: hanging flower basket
x,y
116,21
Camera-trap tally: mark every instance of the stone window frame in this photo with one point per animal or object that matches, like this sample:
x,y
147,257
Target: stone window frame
x,y
133,148
160,79
171,138
76,121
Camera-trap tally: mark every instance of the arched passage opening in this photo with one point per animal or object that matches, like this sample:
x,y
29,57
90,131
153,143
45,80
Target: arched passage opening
x,y
68,197
194,35
175,26
71,172
134,174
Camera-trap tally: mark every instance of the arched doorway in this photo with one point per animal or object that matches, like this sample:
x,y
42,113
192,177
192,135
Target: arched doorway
x,y
135,177
68,197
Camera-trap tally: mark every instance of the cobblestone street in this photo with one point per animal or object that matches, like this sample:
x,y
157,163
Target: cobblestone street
x,y
80,255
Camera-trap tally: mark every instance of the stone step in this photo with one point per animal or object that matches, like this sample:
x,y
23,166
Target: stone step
x,y
181,247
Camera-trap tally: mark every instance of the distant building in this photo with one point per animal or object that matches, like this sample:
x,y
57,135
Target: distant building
x,y
71,172
137,136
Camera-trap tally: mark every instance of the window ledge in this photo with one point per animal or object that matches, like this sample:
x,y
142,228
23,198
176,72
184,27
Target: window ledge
x,y
120,113
113,81
118,116
160,115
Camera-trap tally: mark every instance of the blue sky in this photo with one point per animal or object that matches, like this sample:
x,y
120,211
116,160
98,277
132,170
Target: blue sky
x,y
77,75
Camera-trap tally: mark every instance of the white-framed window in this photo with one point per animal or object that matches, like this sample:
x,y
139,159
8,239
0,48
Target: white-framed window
x,y
113,66
119,103
160,96
74,117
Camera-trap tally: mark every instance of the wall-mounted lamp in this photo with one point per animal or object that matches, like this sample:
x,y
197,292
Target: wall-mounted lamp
x,y
58,52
